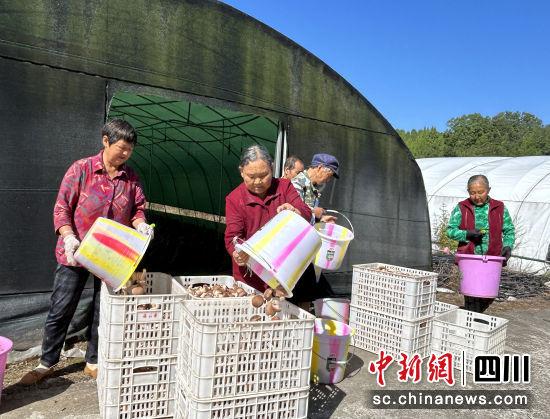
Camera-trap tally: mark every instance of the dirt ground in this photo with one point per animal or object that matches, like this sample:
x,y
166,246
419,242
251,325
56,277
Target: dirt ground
x,y
540,301
68,368
71,368
71,394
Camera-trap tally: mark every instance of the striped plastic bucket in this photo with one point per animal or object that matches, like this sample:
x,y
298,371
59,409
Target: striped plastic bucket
x,y
335,241
112,251
331,342
281,250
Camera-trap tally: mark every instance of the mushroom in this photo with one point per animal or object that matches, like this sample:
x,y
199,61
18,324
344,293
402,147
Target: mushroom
x,y
272,307
268,293
258,300
280,292
137,290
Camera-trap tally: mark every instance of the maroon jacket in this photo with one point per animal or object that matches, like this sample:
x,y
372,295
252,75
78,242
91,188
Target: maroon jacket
x,y
496,219
246,213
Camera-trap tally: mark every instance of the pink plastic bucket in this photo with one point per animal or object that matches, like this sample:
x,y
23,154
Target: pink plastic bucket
x,y
479,274
5,348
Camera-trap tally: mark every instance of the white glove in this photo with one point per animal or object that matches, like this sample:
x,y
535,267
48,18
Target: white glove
x,y
146,229
71,243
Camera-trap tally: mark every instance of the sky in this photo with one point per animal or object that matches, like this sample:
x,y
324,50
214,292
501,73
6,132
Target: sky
x,y
423,62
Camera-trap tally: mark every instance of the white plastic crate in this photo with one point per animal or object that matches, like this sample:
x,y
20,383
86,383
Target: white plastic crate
x,y
182,283
379,331
290,404
474,333
441,307
224,354
400,292
137,388
138,326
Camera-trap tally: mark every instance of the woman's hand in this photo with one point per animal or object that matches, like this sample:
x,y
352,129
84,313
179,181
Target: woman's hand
x,y
328,219
474,235
321,215
318,212
240,258
287,206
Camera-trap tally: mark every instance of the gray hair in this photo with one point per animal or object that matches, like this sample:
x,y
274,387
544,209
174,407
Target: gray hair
x,y
478,179
291,161
253,153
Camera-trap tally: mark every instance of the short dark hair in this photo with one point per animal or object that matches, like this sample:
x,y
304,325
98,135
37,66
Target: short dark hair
x,y
119,129
290,162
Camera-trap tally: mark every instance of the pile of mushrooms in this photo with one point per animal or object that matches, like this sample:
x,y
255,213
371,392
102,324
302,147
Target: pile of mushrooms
x,y
216,291
396,272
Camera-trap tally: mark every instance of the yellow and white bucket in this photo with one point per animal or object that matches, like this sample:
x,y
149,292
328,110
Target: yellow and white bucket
x,y
331,342
335,241
112,251
281,250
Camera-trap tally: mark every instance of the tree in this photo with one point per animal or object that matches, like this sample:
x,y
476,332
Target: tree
x,y
427,142
505,134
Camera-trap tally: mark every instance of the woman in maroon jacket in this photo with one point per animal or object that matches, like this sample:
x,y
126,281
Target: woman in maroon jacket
x,y
253,203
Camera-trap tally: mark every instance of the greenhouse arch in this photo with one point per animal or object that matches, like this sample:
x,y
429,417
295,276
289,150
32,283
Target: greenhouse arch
x,y
66,68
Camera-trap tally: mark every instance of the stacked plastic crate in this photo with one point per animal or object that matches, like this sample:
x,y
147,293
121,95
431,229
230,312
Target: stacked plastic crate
x,y
138,344
392,309
236,362
138,337
466,334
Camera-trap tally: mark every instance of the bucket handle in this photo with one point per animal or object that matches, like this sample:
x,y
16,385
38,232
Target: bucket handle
x,y
244,244
331,361
334,311
346,218
350,355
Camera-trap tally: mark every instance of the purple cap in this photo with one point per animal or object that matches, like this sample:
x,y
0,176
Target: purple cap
x,y
326,160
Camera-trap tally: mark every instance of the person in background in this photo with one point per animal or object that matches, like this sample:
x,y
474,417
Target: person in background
x,y
253,203
309,182
482,226
98,186
293,166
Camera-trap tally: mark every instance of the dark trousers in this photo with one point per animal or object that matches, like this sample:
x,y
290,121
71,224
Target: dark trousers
x,y
67,289
477,304
307,288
